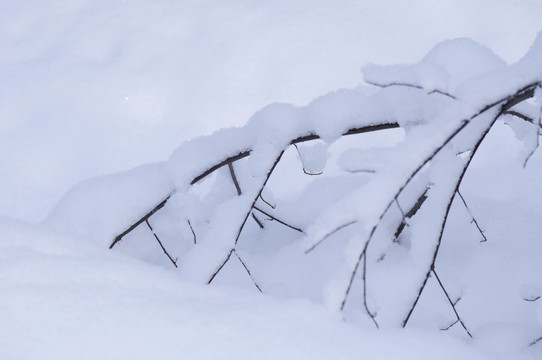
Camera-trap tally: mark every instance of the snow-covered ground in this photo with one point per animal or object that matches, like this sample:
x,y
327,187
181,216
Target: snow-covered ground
x,y
91,88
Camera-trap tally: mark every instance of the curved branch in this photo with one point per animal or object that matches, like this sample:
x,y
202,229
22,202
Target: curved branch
x,y
241,155
507,102
521,95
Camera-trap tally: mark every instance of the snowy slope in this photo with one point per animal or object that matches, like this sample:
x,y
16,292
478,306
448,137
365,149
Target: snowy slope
x,y
64,299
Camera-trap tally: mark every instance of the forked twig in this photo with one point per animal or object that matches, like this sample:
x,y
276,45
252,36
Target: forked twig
x,y
451,303
277,220
472,217
449,326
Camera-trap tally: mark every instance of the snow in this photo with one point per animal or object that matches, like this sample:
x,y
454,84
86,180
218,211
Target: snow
x,y
307,248
68,299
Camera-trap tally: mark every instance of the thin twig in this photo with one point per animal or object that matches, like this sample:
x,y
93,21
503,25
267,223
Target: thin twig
x,y
174,262
400,208
257,221
537,139
451,303
242,155
457,300
449,326
277,220
519,115
277,160
193,232
413,210
508,102
394,84
367,171
234,178
534,342
472,217
220,267
268,203
533,299
372,316
248,271
328,235
352,276
138,222
442,93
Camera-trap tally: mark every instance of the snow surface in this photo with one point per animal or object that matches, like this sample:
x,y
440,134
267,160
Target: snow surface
x,y
94,88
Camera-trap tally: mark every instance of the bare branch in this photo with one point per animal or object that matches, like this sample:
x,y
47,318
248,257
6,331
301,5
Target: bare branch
x,y
521,95
277,160
220,267
519,115
328,235
174,262
229,160
352,276
442,93
534,342
371,315
472,217
449,326
451,303
242,155
192,229
436,91
368,171
234,178
268,203
257,221
394,84
537,139
248,271
277,220
138,222
413,210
